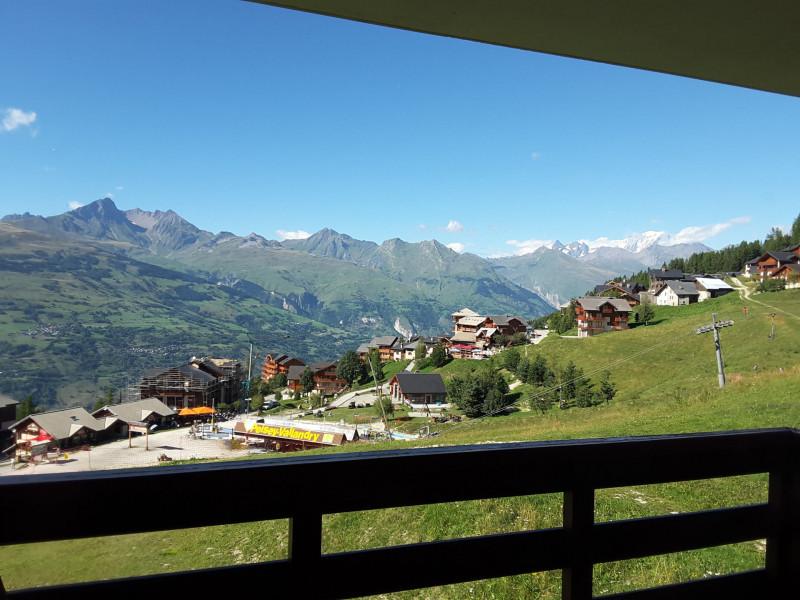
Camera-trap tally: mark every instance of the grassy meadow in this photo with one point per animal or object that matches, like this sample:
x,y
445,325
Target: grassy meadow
x,y
666,377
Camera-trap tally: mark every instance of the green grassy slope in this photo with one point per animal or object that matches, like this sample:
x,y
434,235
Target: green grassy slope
x,y
76,319
666,376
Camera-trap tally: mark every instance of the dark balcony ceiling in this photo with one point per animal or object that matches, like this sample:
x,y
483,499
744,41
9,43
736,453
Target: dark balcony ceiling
x,y
747,43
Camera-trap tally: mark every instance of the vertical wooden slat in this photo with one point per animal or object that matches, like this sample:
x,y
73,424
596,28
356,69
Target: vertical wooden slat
x,y
305,548
783,545
576,578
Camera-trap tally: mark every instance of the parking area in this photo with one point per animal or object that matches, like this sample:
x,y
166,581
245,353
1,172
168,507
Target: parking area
x,y
175,444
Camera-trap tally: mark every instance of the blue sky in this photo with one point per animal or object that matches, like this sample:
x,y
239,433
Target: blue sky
x,y
247,118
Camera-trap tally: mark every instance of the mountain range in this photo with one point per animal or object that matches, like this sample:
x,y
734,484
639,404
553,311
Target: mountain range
x,y
95,295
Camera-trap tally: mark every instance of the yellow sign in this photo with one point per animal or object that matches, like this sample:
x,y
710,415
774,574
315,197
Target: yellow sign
x,y
286,432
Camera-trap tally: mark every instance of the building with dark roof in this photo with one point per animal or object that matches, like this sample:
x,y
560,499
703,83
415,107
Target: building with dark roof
x,y
426,389
200,382
659,277
275,363
8,412
677,293
596,314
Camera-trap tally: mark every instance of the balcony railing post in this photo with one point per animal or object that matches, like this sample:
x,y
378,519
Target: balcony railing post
x,y
576,579
783,545
305,545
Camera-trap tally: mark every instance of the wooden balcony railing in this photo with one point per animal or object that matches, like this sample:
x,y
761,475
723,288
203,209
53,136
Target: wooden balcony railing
x,y
55,507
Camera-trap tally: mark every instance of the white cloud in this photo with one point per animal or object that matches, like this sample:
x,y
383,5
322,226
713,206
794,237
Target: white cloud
x,y
702,233
74,205
118,188
15,118
454,227
536,155
292,235
108,195
458,247
422,226
527,246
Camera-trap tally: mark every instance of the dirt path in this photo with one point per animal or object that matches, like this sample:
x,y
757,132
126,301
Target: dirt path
x,y
745,293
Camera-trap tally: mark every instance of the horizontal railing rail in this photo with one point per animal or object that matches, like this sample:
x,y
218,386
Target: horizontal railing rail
x,y
289,488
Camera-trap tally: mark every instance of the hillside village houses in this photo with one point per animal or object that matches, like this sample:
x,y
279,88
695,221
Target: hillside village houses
x,y
73,427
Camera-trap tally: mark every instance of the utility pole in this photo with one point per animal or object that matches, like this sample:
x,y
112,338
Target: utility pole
x,y
380,398
715,327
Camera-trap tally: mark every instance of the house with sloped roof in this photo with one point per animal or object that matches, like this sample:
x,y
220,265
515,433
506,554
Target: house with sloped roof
x,y
596,314
383,344
507,324
790,273
326,382
187,386
277,363
8,412
293,377
147,410
418,390
677,293
68,428
769,262
658,277
711,287
627,290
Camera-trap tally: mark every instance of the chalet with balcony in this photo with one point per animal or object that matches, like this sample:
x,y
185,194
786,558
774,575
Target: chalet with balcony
x,y
460,314
278,363
326,381
790,274
418,390
596,315
384,344
470,324
506,324
768,263
293,377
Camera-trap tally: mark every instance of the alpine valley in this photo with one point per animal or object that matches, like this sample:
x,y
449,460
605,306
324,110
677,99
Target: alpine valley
x,y
92,297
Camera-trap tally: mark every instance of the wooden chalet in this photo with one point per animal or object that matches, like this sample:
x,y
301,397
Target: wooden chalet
x,y
63,429
789,273
460,314
658,277
627,290
278,363
149,410
596,315
507,324
293,377
326,382
768,263
384,344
